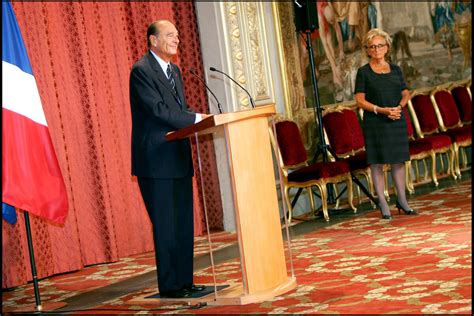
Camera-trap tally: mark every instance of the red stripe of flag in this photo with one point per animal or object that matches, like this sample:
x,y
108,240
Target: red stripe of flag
x,y
31,177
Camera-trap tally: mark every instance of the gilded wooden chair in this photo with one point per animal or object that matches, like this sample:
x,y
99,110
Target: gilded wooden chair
x,y
450,123
426,125
344,135
420,149
461,92
463,98
298,173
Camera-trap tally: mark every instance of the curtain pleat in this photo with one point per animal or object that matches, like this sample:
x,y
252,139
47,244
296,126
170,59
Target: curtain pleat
x,y
81,54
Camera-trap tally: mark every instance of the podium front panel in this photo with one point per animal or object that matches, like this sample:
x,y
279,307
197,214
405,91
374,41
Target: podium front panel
x,y
256,204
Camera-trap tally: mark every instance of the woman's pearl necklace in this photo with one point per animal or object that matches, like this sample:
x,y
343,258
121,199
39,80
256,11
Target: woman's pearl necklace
x,y
382,69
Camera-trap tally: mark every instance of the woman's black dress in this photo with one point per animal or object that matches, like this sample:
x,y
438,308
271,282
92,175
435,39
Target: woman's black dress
x,y
386,140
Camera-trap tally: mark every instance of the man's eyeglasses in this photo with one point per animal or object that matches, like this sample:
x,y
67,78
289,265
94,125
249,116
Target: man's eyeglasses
x,y
373,47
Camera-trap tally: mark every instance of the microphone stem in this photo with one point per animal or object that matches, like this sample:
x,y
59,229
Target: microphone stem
x,y
251,102
205,85
250,97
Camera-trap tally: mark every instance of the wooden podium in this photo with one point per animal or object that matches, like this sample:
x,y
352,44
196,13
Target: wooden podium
x,y
262,255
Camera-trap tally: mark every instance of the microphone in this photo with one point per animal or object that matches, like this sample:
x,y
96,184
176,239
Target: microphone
x,y
250,97
193,72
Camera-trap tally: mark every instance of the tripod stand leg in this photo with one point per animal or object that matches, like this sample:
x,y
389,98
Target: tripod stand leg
x,y
363,188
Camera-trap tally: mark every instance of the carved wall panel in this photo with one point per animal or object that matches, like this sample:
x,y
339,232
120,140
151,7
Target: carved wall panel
x,y
248,52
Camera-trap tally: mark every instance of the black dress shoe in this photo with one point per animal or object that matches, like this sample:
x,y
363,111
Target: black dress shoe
x,y
385,216
183,293
194,288
409,211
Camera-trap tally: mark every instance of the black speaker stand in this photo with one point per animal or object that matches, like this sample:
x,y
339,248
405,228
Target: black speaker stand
x,y
322,148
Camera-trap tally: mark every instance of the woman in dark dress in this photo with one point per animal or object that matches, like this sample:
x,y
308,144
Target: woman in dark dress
x,y
381,92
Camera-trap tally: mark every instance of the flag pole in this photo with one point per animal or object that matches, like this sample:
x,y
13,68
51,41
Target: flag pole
x,y
32,261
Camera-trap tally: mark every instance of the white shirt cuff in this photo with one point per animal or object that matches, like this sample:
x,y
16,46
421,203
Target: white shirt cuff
x,y
198,118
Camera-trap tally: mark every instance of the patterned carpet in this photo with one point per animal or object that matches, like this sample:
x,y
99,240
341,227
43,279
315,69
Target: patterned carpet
x,y
60,287
410,265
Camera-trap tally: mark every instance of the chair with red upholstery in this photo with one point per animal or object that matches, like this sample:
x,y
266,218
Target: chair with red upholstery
x,y
462,96
344,135
427,127
420,149
298,173
450,124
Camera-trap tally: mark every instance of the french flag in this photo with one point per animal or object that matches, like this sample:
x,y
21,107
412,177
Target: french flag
x,y
31,177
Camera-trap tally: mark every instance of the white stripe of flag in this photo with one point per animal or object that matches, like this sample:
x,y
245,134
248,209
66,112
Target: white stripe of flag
x,y
20,93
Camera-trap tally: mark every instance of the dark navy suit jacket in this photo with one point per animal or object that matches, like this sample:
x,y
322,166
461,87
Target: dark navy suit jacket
x,y
164,168
155,112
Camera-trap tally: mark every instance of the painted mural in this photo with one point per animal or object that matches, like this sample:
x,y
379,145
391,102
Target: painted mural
x,y
426,59
431,43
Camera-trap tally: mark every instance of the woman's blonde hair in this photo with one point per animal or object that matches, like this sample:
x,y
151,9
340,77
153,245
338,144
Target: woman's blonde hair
x,y
377,32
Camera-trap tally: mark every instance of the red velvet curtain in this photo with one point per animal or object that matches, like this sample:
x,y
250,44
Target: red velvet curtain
x,y
81,54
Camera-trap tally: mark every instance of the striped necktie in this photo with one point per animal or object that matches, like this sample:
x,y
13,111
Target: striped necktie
x,y
169,73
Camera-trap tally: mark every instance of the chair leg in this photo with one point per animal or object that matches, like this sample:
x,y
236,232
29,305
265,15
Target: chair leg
x,y
311,199
336,193
324,200
441,163
350,192
417,170
358,194
464,158
460,161
456,160
451,163
425,164
433,168
288,203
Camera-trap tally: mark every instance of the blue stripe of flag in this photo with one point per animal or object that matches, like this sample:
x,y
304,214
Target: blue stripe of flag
x,y
13,50
8,213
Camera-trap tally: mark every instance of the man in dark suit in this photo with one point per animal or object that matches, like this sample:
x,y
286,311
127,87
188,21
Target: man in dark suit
x,y
164,169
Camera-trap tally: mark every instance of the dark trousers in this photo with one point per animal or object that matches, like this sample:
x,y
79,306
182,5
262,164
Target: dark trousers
x,y
169,203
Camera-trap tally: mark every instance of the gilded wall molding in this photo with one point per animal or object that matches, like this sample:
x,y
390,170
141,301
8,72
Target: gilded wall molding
x,y
236,58
248,51
258,51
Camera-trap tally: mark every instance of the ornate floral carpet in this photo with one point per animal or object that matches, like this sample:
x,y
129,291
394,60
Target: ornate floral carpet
x,y
60,287
365,265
